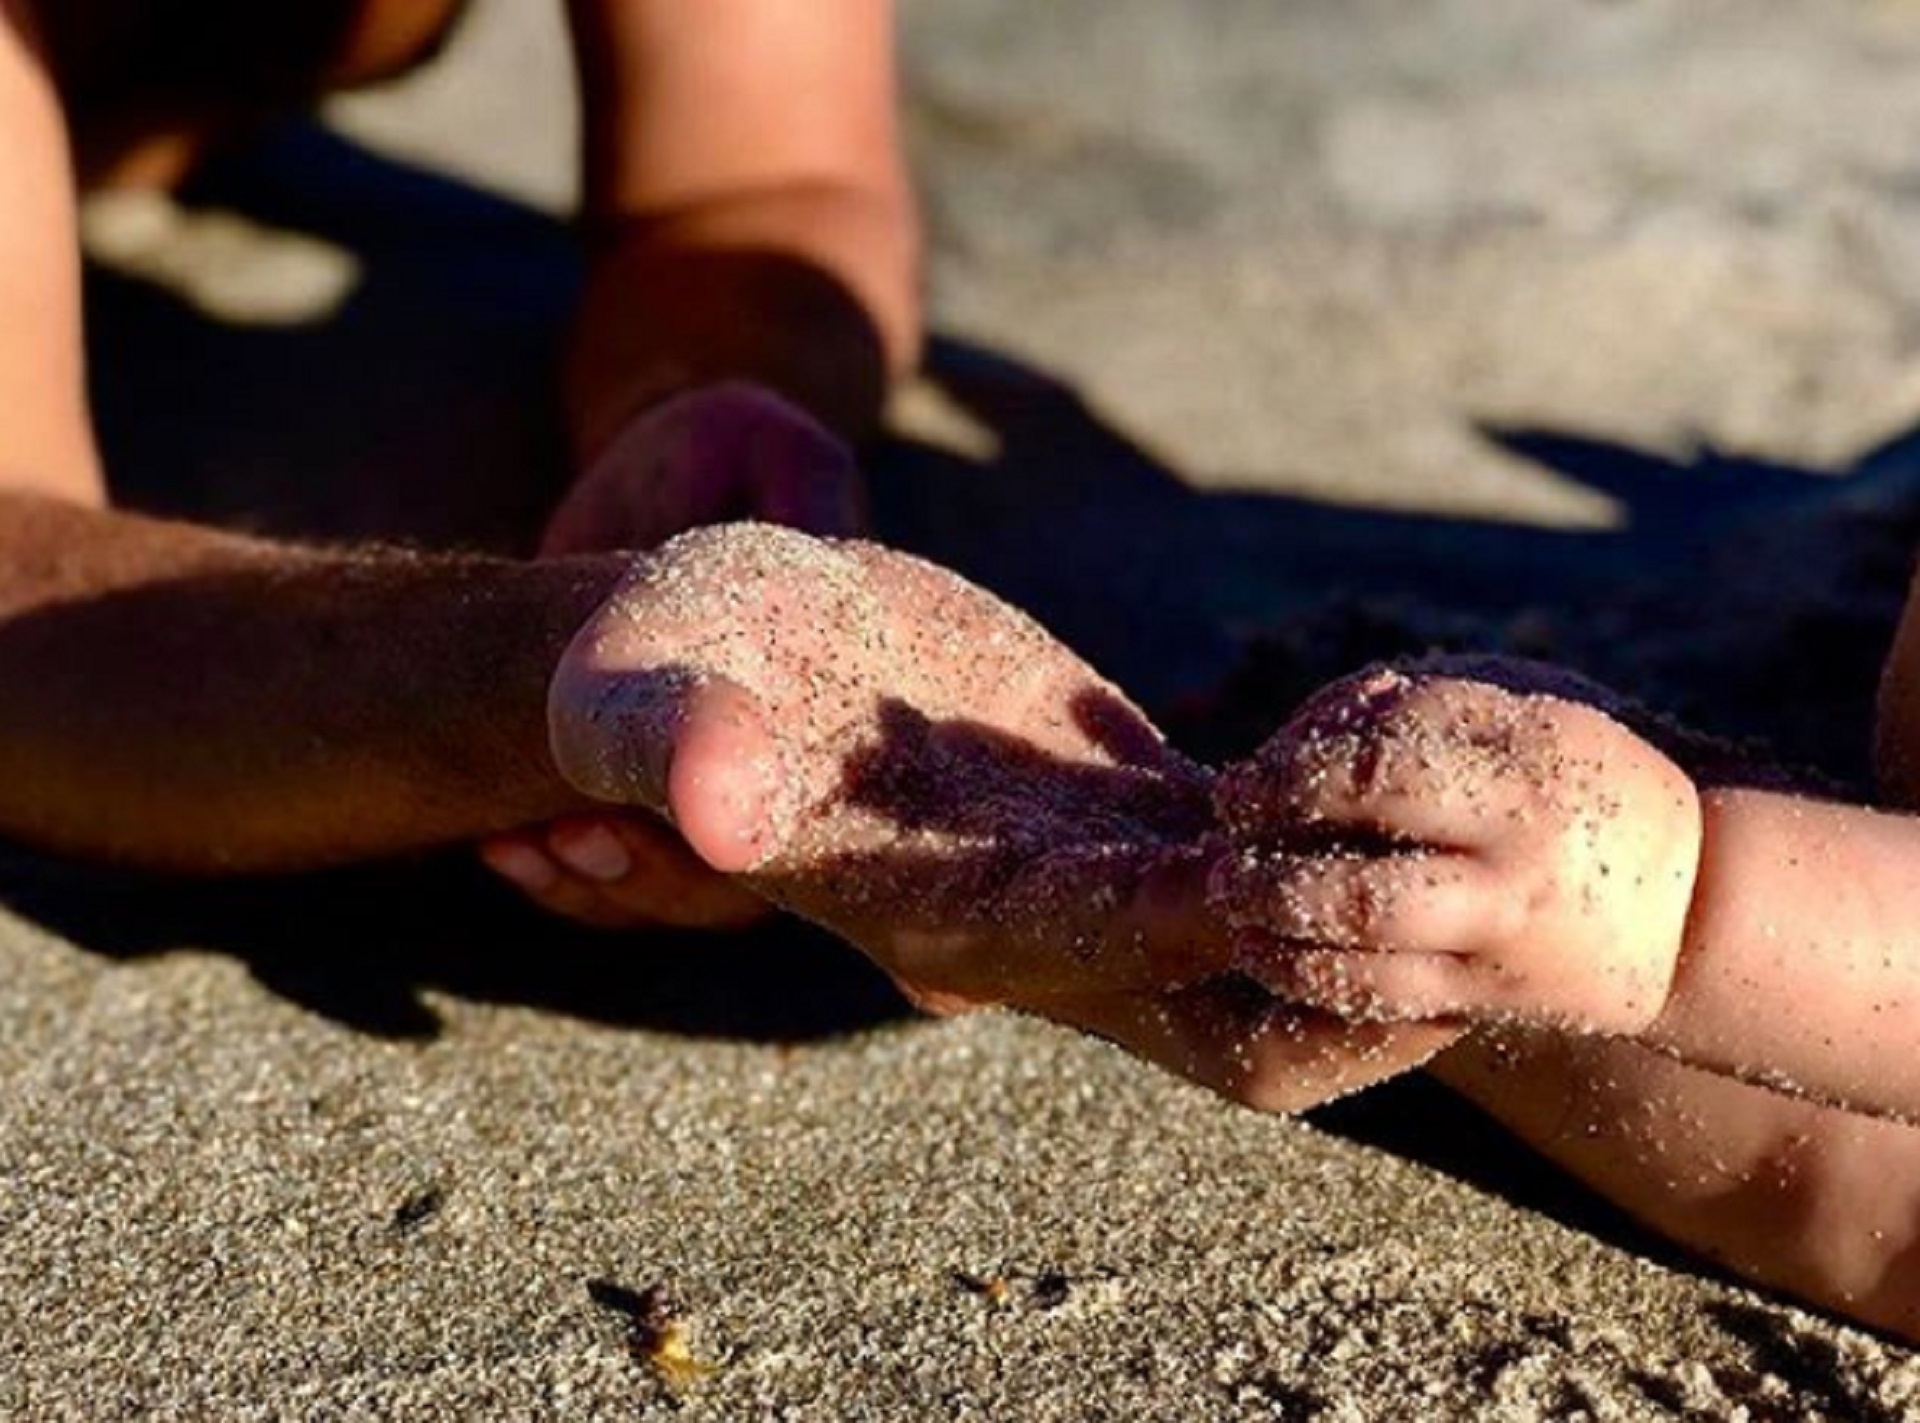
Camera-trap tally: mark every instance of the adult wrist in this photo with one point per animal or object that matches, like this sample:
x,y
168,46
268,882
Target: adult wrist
x,y
559,597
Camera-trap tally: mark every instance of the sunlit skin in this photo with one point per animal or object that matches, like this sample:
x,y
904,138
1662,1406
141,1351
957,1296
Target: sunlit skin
x,y
1603,950
722,452
1638,953
870,741
191,699
1419,846
1418,863
752,286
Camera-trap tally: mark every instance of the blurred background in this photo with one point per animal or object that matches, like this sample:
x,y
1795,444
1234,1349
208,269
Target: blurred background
x,y
1337,329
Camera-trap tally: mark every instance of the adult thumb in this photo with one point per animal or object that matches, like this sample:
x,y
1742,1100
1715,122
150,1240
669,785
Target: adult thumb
x,y
693,746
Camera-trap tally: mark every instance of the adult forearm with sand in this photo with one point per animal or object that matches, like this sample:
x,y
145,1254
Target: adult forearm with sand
x,y
185,699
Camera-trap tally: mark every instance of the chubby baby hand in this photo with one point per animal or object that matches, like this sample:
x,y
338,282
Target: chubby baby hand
x,y
1417,845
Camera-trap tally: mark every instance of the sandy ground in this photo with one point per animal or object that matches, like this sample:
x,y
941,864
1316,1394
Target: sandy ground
x,y
1272,338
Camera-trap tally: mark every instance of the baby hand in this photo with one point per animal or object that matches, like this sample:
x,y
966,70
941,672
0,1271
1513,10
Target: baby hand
x,y
1419,846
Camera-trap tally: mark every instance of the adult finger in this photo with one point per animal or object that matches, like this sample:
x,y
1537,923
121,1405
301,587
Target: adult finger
x,y
797,473
619,872
1233,1037
645,874
693,746
524,862
736,450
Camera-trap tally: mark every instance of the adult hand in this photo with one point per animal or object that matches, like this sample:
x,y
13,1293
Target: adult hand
x,y
619,871
888,750
712,455
721,452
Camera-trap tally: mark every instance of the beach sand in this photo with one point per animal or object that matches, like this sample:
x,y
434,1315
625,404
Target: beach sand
x,y
1271,340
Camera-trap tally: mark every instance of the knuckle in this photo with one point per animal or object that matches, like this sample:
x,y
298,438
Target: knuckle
x,y
1368,908
1247,894
1368,771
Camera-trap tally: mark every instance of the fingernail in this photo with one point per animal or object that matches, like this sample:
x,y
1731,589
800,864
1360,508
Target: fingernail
x,y
522,864
612,728
595,852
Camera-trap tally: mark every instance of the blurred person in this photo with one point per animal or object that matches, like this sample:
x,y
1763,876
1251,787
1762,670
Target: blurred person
x,y
190,699
183,696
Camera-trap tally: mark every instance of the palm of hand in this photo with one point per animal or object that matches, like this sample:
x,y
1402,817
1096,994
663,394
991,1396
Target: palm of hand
x,y
886,749
727,451
882,747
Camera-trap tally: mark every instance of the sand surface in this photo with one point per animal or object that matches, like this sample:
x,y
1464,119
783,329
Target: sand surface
x,y
1271,339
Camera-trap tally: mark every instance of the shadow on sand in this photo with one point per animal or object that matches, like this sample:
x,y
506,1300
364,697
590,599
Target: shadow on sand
x,y
1755,598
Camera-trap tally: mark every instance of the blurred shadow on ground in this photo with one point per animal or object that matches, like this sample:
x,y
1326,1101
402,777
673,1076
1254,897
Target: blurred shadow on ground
x,y
363,946
421,410
1754,597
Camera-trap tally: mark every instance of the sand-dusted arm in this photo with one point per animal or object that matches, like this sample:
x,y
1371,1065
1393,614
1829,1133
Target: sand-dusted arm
x,y
1795,1195
1483,842
747,208
1800,965
187,699
175,696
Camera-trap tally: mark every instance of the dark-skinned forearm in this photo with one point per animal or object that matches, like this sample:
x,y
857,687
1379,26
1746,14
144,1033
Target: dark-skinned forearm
x,y
812,292
746,205
185,699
